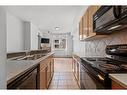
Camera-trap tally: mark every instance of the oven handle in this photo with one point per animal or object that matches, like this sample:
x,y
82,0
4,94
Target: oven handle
x,y
100,77
97,75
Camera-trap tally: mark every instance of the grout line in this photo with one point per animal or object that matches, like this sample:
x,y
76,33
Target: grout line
x,y
62,73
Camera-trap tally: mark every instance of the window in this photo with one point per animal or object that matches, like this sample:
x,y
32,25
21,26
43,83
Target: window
x,y
60,43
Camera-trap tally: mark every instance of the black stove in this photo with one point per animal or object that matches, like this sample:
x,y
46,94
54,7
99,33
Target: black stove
x,y
106,65
99,68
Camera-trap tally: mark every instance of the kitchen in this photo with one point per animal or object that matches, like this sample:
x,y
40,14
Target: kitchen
x,y
84,48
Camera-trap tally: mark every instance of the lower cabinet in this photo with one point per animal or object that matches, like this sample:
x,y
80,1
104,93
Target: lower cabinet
x,y
46,72
43,78
76,70
116,86
52,66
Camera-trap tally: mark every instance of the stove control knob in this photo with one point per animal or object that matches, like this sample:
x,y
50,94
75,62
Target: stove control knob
x,y
100,77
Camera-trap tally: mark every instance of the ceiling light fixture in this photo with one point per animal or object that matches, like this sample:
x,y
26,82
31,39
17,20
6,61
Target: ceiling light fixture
x,y
57,28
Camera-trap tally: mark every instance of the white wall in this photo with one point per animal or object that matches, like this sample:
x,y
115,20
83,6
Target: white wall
x,y
63,52
27,35
69,44
31,36
2,48
45,34
34,37
21,35
78,46
15,33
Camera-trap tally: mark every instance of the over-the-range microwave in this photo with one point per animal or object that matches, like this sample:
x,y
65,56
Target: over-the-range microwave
x,y
109,18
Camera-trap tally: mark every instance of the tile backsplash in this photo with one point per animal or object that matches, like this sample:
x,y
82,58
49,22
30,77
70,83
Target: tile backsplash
x,y
97,47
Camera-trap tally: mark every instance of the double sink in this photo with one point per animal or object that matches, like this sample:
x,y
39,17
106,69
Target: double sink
x,y
30,57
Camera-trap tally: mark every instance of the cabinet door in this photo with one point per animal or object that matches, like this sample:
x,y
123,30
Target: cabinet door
x,y
48,74
43,74
85,24
77,71
92,10
116,86
52,66
43,78
73,65
75,68
80,30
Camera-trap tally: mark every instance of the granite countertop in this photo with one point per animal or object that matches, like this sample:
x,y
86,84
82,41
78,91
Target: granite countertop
x,y
120,79
16,68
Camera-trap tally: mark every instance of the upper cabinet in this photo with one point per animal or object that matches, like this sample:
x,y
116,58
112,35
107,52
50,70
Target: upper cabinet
x,y
80,30
86,24
91,11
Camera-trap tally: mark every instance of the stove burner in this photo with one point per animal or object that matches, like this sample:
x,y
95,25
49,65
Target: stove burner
x,y
109,66
98,59
91,59
104,59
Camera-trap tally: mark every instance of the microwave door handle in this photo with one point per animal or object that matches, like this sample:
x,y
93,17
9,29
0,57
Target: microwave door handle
x,y
116,11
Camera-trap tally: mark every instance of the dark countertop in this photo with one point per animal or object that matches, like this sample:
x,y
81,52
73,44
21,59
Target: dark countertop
x,y
16,68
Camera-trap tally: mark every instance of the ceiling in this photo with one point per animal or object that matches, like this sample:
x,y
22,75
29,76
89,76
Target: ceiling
x,y
46,18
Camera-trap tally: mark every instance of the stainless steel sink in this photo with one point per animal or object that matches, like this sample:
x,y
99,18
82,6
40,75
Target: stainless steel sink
x,y
31,57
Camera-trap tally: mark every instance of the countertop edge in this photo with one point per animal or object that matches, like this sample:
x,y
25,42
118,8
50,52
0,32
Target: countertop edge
x,y
116,80
13,78
36,63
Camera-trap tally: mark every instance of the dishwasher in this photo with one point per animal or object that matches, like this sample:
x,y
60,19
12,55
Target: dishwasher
x,y
28,80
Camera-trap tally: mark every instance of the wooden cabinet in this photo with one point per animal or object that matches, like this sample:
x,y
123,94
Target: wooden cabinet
x,y
49,70
46,72
87,23
91,11
43,77
74,67
81,29
52,66
76,70
116,85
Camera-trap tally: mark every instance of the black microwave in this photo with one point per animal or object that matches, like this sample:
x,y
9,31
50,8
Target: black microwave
x,y
109,18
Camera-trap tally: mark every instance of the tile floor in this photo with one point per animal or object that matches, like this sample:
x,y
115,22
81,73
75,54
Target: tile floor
x,y
63,76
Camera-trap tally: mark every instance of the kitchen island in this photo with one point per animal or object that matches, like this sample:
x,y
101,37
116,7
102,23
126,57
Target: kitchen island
x,y
17,68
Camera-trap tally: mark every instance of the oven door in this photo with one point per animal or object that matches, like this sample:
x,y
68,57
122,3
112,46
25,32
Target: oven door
x,y
88,81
